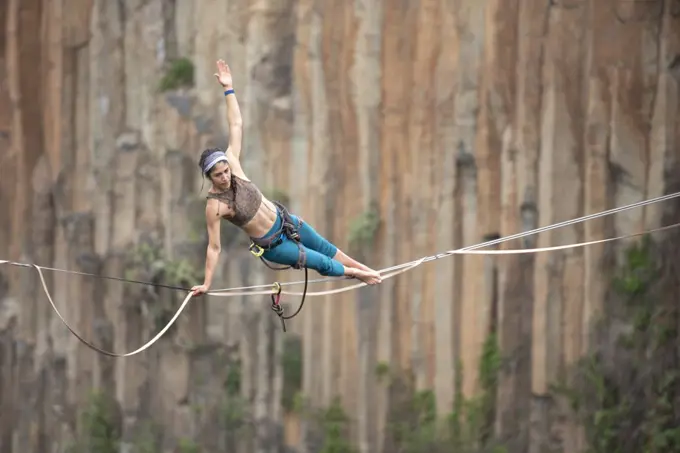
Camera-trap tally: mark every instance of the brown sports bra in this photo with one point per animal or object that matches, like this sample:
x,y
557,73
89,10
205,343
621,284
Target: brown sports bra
x,y
243,197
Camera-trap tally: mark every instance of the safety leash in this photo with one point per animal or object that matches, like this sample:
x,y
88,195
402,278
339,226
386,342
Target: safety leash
x,y
276,301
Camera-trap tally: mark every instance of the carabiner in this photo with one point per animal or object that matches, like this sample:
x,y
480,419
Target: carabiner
x,y
277,288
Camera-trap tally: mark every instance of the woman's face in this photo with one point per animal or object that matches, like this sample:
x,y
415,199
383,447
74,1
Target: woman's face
x,y
220,175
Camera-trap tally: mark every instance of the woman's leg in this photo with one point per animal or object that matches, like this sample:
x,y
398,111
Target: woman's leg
x,y
310,238
313,240
288,254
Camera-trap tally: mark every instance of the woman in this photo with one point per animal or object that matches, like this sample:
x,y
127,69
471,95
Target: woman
x,y
271,228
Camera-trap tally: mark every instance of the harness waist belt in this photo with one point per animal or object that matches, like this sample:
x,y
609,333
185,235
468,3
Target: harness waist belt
x,y
288,227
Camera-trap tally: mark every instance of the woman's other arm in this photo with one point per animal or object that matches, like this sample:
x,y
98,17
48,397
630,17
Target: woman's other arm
x,y
212,255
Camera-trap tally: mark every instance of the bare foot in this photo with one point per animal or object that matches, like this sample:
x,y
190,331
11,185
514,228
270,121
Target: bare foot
x,y
370,278
363,267
368,269
348,261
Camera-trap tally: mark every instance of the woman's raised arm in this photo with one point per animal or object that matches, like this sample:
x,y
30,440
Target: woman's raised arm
x,y
234,119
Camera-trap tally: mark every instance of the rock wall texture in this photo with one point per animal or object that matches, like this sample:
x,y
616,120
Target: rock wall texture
x,y
447,121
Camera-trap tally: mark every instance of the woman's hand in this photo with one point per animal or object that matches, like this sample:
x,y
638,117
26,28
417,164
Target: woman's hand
x,y
199,289
223,74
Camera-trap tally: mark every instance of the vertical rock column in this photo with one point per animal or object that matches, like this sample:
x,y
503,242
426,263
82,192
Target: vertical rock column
x,y
664,142
470,161
268,127
423,157
597,171
6,109
110,169
497,205
365,75
559,276
445,352
23,53
8,318
398,28
519,190
310,148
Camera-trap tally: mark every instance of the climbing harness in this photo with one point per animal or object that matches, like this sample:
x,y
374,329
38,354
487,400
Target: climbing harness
x,y
290,229
386,273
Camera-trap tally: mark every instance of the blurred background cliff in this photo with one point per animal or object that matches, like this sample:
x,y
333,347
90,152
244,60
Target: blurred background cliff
x,y
398,129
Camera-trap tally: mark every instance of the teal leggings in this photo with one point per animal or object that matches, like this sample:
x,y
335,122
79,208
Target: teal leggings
x,y
319,252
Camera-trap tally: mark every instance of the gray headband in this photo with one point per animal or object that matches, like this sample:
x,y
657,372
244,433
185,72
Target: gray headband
x,y
214,158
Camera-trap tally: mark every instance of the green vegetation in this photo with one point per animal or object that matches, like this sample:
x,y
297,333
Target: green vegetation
x,y
100,423
188,446
329,426
291,362
625,393
146,438
382,371
234,408
472,420
100,430
413,425
363,229
146,262
335,424
179,73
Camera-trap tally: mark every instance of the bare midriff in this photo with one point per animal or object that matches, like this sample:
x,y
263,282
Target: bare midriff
x,y
248,209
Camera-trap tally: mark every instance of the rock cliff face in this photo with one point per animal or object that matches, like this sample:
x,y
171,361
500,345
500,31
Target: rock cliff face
x,y
449,121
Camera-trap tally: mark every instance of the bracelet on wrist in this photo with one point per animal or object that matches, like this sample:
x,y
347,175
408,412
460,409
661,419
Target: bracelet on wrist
x,y
228,91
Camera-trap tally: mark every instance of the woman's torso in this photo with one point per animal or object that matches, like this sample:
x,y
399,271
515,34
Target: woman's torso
x,y
244,205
